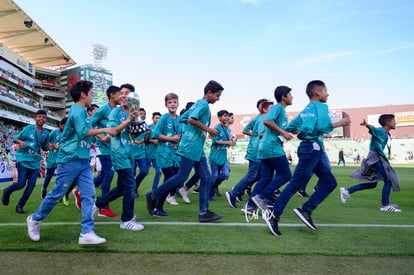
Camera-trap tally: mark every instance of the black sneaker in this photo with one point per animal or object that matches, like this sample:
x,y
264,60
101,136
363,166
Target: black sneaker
x,y
272,222
303,194
43,195
209,216
305,216
217,192
151,203
20,210
231,200
239,198
160,213
6,197
248,190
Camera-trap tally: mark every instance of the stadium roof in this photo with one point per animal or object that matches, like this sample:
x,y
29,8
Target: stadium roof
x,y
21,34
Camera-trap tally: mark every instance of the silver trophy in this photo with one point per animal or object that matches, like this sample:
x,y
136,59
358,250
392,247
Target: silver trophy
x,y
138,126
133,103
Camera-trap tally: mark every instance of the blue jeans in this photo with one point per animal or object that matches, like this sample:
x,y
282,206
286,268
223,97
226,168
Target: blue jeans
x,y
125,186
268,183
310,161
253,175
106,175
386,190
168,173
157,169
49,175
143,171
219,174
67,173
24,174
184,171
192,181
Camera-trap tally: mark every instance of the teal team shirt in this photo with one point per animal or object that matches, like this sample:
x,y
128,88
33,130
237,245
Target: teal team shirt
x,y
54,138
192,142
166,151
312,123
100,120
218,153
74,144
253,146
138,150
121,143
30,156
270,145
379,140
151,148
251,124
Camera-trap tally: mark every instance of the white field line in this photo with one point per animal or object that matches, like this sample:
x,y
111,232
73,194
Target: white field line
x,y
223,224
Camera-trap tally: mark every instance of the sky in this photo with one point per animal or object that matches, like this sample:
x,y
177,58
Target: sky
x,y
362,50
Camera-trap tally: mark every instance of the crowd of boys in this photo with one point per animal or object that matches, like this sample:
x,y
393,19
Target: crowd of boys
x,y
174,146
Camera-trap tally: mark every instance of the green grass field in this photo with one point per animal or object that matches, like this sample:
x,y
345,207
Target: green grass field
x,y
355,237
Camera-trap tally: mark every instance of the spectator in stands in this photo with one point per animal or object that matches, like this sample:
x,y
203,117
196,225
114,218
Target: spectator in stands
x,y
375,166
341,157
31,140
356,157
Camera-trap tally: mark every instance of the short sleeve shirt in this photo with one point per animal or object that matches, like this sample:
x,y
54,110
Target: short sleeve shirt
x,y
218,153
74,143
100,120
192,142
121,143
166,151
30,156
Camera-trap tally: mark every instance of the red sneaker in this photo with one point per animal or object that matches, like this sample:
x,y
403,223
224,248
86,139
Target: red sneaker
x,y
76,194
106,212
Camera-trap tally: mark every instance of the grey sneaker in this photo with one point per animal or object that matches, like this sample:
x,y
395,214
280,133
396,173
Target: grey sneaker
x,y
184,194
209,216
33,229
261,203
344,194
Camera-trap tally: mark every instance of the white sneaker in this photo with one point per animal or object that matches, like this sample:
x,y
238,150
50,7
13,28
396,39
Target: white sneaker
x,y
90,238
389,208
131,225
184,194
344,195
171,200
33,229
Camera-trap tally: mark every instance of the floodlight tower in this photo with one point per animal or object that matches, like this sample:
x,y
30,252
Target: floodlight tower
x,y
99,53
